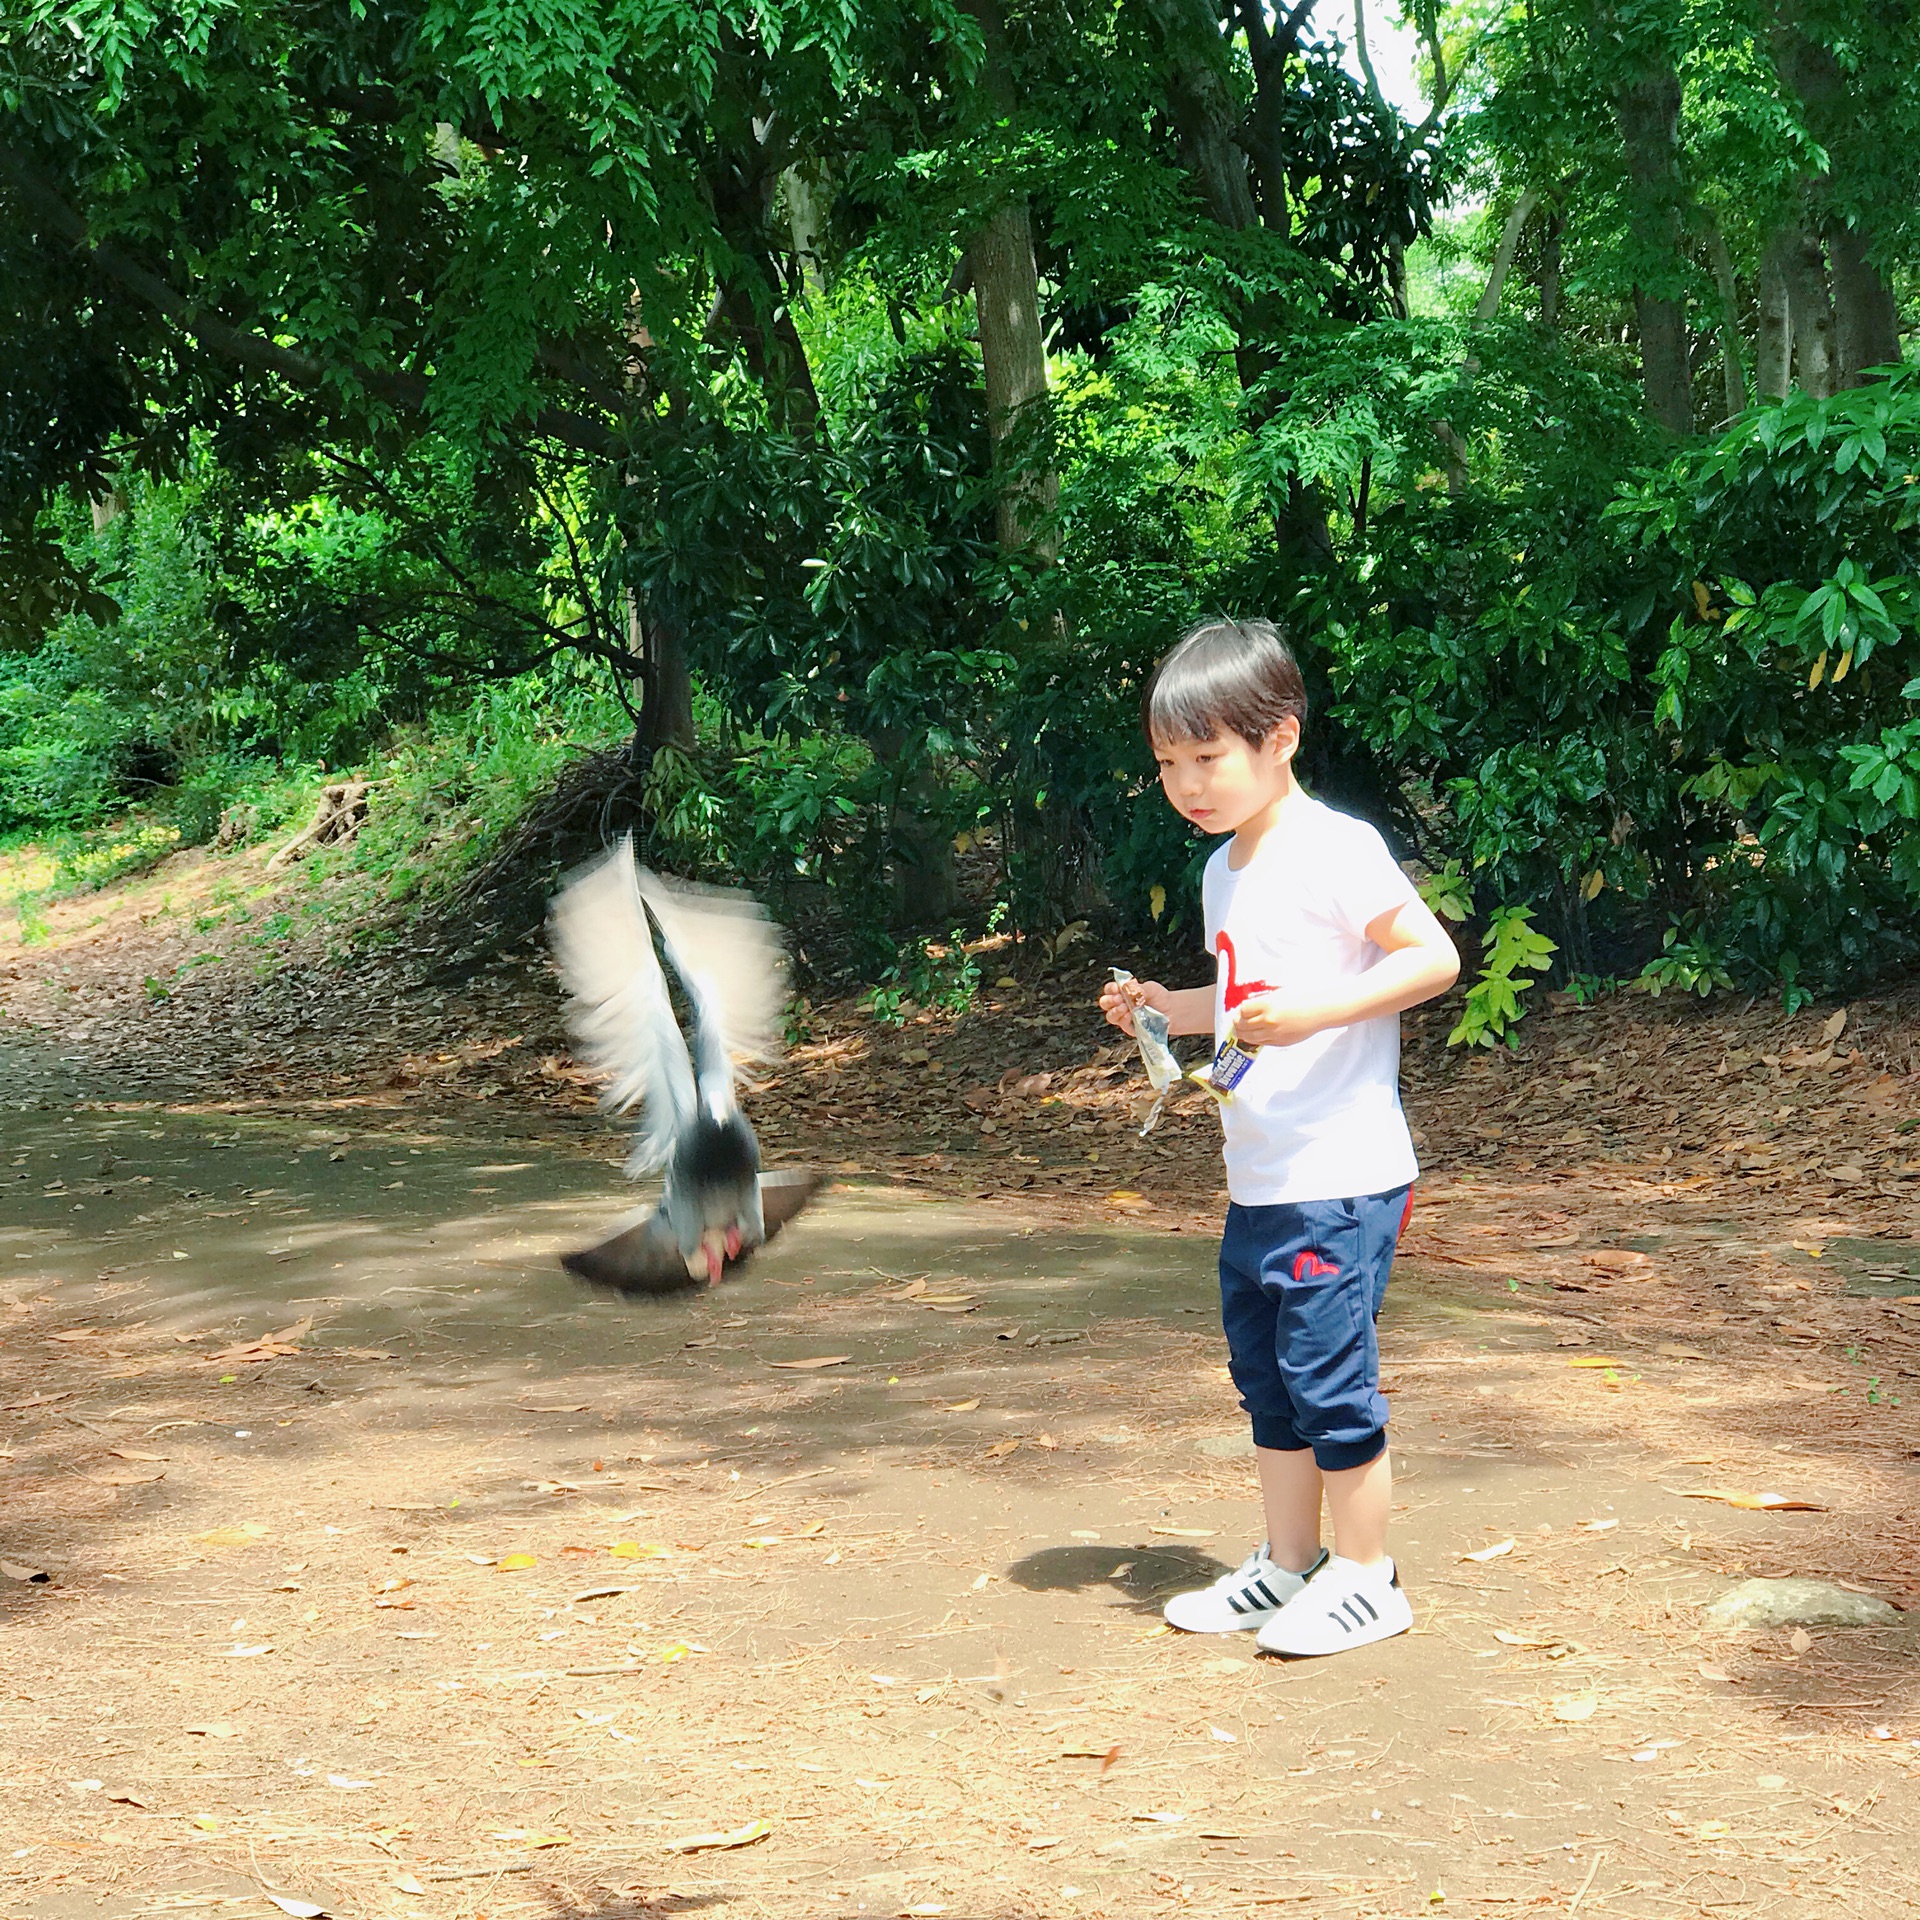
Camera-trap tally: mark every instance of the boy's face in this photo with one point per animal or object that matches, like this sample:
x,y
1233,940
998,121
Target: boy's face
x,y
1222,783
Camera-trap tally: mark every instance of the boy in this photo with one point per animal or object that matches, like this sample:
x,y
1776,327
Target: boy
x,y
1321,942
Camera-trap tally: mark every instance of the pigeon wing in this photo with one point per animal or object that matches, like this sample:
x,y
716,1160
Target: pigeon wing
x,y
642,1259
783,1193
620,1010
728,955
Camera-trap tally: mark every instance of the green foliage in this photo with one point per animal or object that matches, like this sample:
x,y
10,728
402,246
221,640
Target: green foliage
x,y
942,977
451,789
1447,894
1515,947
105,710
1688,961
1786,681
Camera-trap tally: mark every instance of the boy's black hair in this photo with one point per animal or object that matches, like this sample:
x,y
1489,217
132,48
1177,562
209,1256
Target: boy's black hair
x,y
1224,676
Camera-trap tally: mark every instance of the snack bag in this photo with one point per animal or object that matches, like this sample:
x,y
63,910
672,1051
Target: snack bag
x,y
1226,1069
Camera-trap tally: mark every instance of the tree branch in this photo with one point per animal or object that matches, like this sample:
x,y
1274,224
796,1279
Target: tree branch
x,y
1365,56
396,387
582,584
1489,302
1427,17
1269,46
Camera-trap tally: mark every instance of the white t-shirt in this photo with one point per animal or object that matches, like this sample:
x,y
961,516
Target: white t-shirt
x,y
1320,1120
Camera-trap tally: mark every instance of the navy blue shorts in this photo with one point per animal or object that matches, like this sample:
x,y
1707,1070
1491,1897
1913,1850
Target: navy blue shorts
x,y
1301,1286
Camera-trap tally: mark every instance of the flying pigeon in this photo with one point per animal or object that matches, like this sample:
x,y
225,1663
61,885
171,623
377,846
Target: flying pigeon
x,y
716,1205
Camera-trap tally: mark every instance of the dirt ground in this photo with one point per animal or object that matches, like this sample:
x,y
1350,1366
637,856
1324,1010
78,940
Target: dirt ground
x,y
354,1561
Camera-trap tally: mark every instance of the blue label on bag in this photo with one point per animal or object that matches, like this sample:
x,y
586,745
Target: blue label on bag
x,y
1229,1067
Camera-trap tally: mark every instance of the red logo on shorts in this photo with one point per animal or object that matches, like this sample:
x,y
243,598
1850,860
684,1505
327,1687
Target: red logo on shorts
x,y
1310,1266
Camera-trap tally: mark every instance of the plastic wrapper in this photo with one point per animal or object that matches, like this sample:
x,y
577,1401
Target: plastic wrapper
x,y
1151,1034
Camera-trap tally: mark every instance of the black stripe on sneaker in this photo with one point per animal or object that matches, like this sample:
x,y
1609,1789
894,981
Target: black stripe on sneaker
x,y
1373,1612
1234,1601
1265,1592
1340,1620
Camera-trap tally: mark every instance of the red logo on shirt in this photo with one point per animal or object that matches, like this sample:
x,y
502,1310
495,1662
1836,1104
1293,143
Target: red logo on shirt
x,y
1235,991
1310,1266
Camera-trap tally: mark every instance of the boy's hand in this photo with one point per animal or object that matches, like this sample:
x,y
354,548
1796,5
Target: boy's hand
x,y
1118,1000
1282,1019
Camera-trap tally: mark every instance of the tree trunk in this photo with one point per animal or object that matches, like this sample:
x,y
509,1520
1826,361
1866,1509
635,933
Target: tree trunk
x,y
1551,283
1648,106
1773,346
757,282
1732,366
1006,300
1866,320
926,887
108,507
806,200
1013,359
1810,301
1856,325
1270,44
1201,103
666,702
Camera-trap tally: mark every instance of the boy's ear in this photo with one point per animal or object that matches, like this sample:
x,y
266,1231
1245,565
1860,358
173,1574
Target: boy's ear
x,y
1285,738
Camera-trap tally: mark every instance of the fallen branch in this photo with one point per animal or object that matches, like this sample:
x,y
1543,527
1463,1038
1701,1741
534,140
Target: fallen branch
x,y
336,821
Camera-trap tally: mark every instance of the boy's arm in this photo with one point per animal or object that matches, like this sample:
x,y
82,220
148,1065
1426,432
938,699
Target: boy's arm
x,y
1417,962
1188,1009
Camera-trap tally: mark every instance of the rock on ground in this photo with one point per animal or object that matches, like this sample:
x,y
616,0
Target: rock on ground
x,y
1798,1603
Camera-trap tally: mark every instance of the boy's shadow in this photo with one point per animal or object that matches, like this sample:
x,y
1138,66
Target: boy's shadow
x,y
1142,1576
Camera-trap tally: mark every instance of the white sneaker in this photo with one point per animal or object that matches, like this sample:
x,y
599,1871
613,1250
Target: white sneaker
x,y
1242,1600
1341,1605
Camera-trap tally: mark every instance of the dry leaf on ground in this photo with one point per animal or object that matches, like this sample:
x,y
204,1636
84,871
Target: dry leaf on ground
x,y
1493,1552
732,1837
819,1360
1754,1502
244,1535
